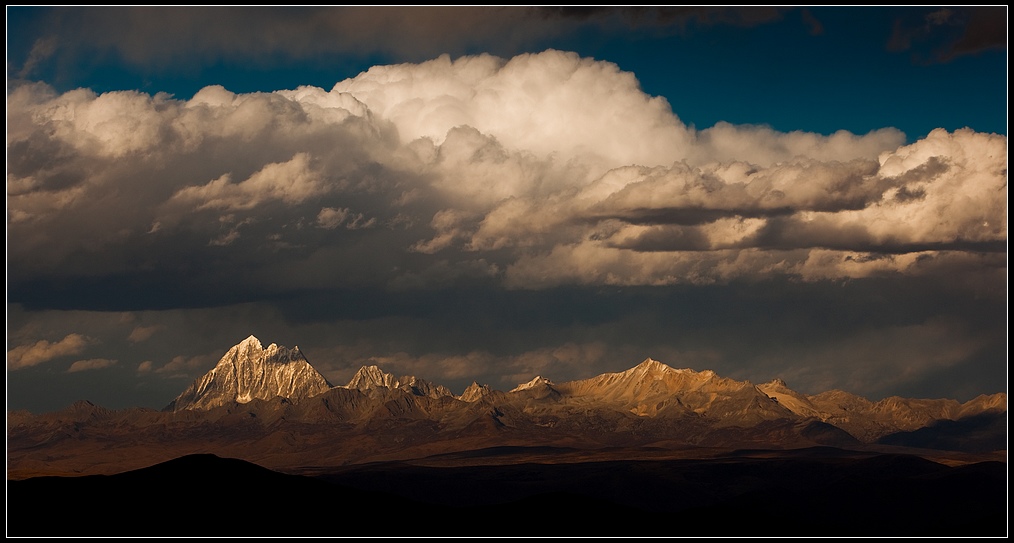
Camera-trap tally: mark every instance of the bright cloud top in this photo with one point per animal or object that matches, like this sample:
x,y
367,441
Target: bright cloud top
x,y
541,170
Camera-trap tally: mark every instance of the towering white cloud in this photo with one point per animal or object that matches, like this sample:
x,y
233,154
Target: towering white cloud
x,y
553,104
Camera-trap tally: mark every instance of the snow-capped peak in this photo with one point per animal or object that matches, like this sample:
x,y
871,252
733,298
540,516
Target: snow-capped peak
x,y
776,383
538,380
248,371
371,377
251,340
652,365
474,392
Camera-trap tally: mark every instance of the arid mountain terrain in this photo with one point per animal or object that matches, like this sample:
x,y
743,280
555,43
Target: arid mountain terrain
x,y
652,450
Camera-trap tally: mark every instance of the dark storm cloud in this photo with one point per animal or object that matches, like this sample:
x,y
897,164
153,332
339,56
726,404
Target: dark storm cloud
x,y
678,16
714,191
689,216
814,335
159,38
788,234
941,34
784,234
986,29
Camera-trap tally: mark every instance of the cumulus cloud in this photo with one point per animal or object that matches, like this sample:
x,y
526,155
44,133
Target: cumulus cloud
x,y
24,356
90,364
764,146
538,170
552,102
725,220
291,182
330,218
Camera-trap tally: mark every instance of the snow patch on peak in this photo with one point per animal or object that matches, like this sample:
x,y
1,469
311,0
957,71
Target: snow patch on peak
x,y
654,367
651,363
251,340
247,372
474,392
538,380
278,354
650,366
369,377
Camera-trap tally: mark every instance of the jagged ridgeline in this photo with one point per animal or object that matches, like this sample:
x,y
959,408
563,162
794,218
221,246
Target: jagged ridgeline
x,y
270,406
249,371
704,404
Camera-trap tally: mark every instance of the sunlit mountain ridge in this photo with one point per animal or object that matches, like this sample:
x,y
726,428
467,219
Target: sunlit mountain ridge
x,y
649,389
270,406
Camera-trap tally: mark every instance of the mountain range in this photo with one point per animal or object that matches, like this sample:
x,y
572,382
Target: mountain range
x,y
268,405
651,451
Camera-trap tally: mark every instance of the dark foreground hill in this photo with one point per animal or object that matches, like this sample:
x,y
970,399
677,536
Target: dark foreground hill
x,y
813,492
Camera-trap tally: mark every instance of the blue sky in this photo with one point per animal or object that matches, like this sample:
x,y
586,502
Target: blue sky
x,y
818,69
814,194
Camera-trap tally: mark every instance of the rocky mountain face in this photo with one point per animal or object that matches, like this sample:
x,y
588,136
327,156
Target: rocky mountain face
x,y
373,377
652,389
474,392
269,405
249,371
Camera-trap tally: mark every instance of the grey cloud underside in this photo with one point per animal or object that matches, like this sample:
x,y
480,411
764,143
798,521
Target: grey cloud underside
x,y
786,234
686,216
